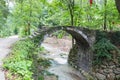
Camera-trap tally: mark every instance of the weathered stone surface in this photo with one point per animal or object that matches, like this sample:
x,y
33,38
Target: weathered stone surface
x,y
118,69
108,71
117,72
113,66
111,63
81,57
101,71
111,76
100,76
103,66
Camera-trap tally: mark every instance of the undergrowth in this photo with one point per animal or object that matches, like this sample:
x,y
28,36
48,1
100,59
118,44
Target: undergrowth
x,y
20,60
19,65
103,48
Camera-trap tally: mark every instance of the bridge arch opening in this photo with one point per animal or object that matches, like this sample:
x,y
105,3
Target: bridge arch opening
x,y
58,51
78,35
57,48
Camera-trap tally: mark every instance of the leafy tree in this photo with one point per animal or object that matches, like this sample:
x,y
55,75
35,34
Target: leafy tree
x,y
118,5
25,15
30,14
3,15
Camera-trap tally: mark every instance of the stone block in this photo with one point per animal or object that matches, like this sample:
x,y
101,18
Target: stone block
x,y
100,76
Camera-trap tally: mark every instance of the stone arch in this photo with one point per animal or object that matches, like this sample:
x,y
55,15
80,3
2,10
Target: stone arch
x,y
78,35
82,57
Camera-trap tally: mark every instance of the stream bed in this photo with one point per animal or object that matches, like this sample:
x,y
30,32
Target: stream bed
x,y
57,51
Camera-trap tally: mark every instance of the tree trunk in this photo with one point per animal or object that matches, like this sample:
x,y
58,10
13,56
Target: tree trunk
x,y
105,16
28,28
118,5
71,10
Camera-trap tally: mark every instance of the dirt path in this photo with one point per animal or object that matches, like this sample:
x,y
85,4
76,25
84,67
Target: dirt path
x,y
5,44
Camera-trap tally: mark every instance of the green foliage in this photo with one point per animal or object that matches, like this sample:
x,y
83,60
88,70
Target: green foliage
x,y
59,34
102,50
41,49
44,62
6,32
45,73
4,12
27,15
115,38
118,78
41,77
119,60
20,60
100,35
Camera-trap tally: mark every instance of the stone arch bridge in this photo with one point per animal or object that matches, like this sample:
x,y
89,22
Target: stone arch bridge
x,y
80,54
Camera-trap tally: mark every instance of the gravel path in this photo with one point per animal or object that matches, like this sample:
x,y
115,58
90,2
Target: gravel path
x,y
5,44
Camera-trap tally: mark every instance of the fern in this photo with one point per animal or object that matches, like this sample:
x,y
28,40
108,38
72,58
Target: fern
x,y
102,50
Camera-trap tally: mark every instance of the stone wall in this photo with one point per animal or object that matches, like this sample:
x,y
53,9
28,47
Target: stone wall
x,y
81,57
107,71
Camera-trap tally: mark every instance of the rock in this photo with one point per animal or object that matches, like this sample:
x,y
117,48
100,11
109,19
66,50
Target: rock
x,y
108,71
111,63
113,52
100,76
117,77
117,72
118,69
113,66
111,76
52,77
117,65
105,63
82,71
103,66
101,71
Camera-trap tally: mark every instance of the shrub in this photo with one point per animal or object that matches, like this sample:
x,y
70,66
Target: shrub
x,y
102,50
20,60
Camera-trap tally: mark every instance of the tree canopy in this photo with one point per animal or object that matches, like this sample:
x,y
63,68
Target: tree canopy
x,y
27,15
